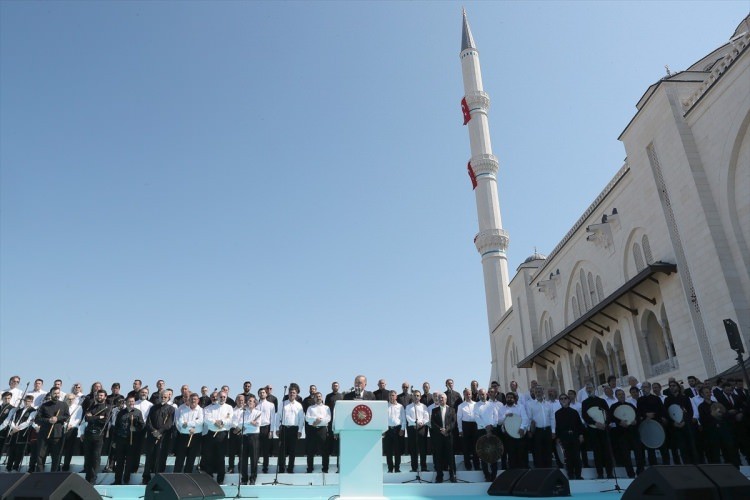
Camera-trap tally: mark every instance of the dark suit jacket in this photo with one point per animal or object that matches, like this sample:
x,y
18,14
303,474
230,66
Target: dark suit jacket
x,y
436,421
366,396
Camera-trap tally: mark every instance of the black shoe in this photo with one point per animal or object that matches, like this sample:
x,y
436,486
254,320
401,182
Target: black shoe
x,y
424,469
438,479
599,476
579,477
290,471
453,479
390,470
252,481
413,470
265,471
230,470
309,470
107,469
397,470
610,476
145,480
281,470
325,471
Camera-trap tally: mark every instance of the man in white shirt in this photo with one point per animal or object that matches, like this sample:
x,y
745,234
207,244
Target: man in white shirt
x,y
70,443
467,430
542,428
38,393
518,457
486,417
609,395
290,421
248,422
235,436
15,392
19,421
317,418
188,420
139,436
217,420
267,426
417,421
391,437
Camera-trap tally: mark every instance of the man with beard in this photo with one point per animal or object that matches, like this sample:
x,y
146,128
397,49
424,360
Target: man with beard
x,y
625,438
651,407
317,418
51,418
486,418
189,422
184,397
156,396
246,386
681,432
128,424
144,405
96,419
570,432
271,398
158,428
391,438
541,428
596,436
217,420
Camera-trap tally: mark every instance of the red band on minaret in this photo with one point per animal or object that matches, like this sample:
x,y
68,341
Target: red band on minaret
x,y
465,110
472,176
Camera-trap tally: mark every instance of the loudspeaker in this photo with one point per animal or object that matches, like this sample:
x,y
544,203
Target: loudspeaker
x,y
179,486
542,483
9,481
53,486
730,482
504,483
676,482
733,335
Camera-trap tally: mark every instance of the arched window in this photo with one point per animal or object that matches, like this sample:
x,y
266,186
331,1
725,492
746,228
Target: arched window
x,y
638,257
579,294
599,288
592,290
655,339
647,250
576,311
584,288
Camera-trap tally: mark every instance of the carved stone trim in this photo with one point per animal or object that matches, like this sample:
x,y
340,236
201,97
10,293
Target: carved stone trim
x,y
485,165
492,240
478,101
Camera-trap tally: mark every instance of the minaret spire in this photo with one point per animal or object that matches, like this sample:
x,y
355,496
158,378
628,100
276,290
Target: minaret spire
x,y
492,240
467,40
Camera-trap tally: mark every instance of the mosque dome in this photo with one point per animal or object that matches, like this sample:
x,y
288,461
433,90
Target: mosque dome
x,y
535,256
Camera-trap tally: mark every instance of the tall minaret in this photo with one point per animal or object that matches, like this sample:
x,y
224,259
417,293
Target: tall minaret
x,y
492,240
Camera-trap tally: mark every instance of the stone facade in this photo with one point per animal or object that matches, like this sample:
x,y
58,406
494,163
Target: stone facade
x,y
682,198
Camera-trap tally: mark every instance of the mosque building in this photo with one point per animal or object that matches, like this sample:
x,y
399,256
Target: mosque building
x,y
643,282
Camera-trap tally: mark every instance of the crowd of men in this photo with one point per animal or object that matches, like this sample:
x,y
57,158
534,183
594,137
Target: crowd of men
x,y
212,432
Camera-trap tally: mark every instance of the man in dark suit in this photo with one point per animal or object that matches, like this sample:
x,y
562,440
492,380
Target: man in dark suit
x,y
359,392
381,393
442,423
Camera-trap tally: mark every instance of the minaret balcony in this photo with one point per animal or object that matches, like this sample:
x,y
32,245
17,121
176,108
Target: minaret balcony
x,y
492,241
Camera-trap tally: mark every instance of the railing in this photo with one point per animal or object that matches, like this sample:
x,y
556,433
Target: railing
x,y
665,366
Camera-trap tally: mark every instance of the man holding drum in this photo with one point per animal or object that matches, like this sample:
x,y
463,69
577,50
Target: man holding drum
x,y
650,407
625,434
595,415
680,410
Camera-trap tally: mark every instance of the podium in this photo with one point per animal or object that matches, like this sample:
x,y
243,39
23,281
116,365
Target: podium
x,y
360,426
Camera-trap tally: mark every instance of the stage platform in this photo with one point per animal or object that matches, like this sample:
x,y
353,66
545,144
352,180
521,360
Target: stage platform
x,y
317,485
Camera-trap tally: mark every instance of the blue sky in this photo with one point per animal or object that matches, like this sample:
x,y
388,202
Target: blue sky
x,y
277,191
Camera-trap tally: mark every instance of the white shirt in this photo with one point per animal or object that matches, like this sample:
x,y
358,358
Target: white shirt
x,y
632,401
217,418
267,414
291,415
76,414
465,413
145,406
320,411
541,414
38,397
187,419
248,420
609,401
514,410
16,394
416,413
486,413
396,416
